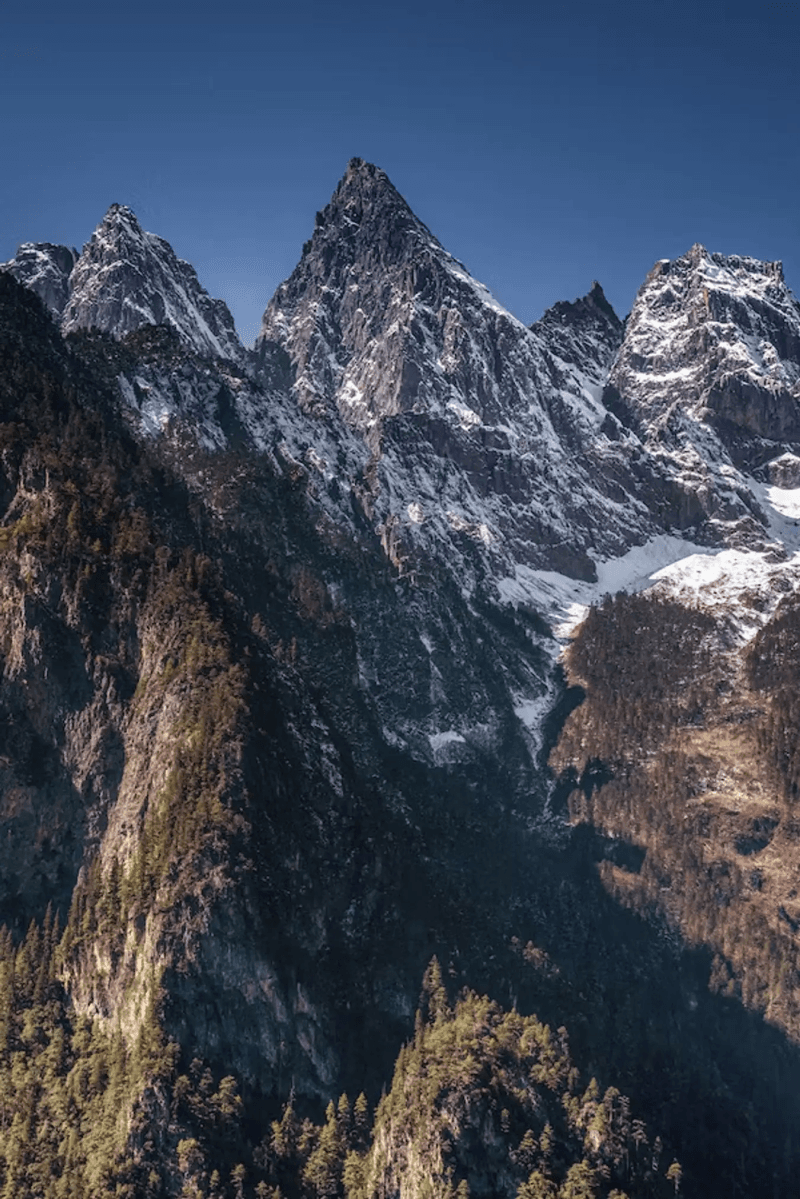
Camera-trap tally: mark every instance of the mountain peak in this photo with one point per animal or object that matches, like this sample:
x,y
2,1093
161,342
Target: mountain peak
x,y
358,169
366,199
364,177
722,271
367,247
119,212
585,332
119,221
712,342
597,298
126,278
44,268
593,309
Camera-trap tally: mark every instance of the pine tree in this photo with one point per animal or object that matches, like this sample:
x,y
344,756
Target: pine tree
x,y
360,1136
537,1186
433,1001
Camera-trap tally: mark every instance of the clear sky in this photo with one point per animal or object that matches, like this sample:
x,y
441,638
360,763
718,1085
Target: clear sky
x,y
544,144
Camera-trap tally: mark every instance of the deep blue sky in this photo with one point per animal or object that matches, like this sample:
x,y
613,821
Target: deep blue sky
x,y
545,145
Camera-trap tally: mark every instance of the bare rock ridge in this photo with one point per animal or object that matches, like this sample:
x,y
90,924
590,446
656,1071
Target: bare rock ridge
x,y
587,330
708,331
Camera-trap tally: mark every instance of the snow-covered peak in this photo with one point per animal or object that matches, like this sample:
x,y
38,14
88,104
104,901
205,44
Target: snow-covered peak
x,y
381,319
366,201
44,268
127,278
705,330
119,221
481,430
708,376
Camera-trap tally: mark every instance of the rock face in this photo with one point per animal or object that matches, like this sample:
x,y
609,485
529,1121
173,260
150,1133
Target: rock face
x,y
377,315
123,280
126,278
705,331
476,424
708,377
283,703
584,335
45,269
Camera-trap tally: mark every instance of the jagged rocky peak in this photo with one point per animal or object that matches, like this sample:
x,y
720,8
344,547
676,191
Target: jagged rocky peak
x,y
586,331
127,278
355,280
708,376
366,217
366,226
593,308
45,269
366,194
380,319
481,428
720,336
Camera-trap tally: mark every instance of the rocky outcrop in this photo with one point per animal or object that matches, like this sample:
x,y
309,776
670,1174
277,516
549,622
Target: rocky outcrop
x,y
584,334
701,321
709,376
45,269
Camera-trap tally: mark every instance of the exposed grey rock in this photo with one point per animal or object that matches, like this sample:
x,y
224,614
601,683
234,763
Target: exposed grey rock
x,y
476,424
708,376
783,471
44,268
585,333
716,338
125,279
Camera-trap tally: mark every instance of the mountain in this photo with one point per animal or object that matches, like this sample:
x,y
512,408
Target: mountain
x,y
45,269
708,374
475,425
414,648
125,279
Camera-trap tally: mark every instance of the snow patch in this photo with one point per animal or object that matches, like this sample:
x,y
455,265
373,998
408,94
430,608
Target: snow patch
x,y
439,740
466,417
564,602
787,502
316,460
741,586
533,711
154,410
